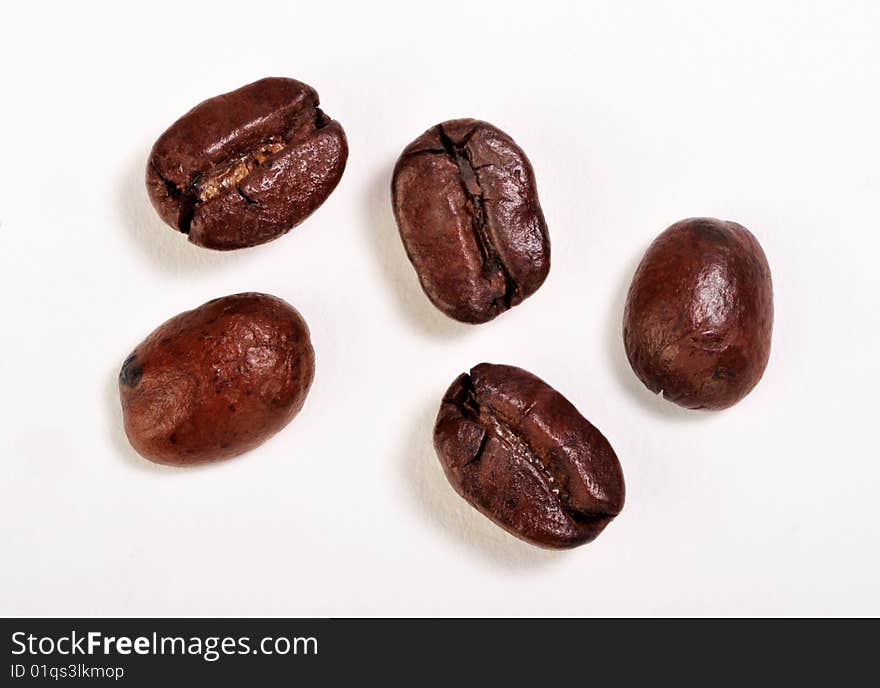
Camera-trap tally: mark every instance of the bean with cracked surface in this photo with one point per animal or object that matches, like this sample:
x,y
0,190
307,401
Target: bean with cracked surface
x,y
520,453
245,167
216,381
466,204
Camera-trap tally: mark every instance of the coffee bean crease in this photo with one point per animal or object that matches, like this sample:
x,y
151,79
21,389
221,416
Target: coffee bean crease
x,y
469,177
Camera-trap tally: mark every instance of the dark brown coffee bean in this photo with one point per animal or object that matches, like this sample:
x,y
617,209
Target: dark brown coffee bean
x,y
216,381
699,314
519,452
466,205
244,168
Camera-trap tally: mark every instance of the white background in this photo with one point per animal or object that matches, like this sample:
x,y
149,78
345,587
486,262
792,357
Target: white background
x,y
634,115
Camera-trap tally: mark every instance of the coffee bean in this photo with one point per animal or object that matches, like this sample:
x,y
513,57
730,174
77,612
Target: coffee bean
x,y
466,205
216,381
245,167
520,453
699,314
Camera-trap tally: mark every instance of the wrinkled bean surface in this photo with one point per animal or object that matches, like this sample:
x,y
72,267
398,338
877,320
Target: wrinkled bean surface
x,y
216,381
519,452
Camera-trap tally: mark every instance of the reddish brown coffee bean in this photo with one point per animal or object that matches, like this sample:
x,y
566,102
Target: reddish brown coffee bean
x,y
699,314
521,454
466,205
245,167
216,381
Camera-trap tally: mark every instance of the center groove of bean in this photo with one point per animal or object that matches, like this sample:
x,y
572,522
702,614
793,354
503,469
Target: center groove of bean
x,y
468,177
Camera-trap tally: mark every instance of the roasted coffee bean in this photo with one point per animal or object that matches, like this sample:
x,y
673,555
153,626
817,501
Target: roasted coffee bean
x,y
245,167
699,314
466,205
519,452
216,381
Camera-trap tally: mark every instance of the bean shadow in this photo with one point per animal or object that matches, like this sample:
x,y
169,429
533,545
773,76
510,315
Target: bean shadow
x,y
165,249
450,514
394,265
653,403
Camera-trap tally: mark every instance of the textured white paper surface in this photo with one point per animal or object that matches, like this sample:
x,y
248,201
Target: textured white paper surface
x,y
634,115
